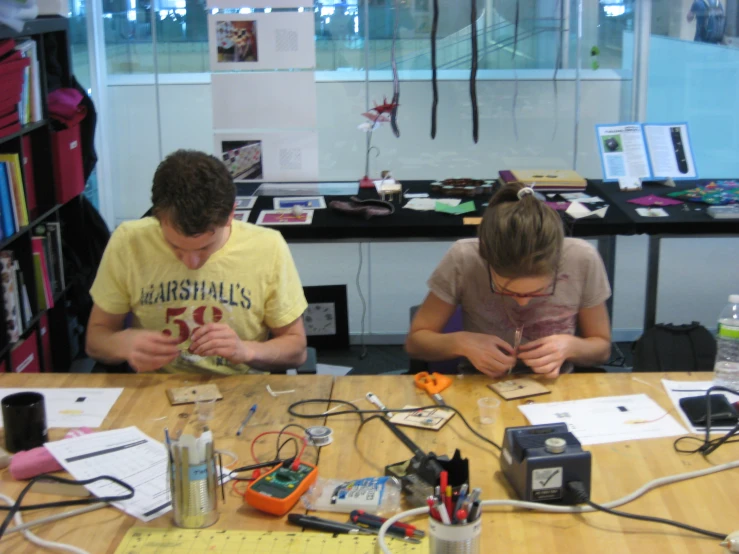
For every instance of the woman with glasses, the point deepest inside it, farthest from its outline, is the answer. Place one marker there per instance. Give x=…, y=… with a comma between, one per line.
x=523, y=288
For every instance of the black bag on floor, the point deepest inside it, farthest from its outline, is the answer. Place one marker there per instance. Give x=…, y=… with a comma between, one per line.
x=668, y=347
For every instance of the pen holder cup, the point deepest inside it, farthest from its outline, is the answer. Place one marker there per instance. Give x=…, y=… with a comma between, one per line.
x=193, y=488
x=455, y=539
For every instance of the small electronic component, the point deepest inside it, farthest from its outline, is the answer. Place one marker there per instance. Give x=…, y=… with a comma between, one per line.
x=279, y=490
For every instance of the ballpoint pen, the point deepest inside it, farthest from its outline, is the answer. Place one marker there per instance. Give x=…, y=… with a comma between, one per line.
x=246, y=419
x=376, y=401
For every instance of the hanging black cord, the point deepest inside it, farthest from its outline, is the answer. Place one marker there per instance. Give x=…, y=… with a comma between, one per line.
x=434, y=83
x=361, y=413
x=16, y=507
x=515, y=30
x=473, y=74
x=396, y=80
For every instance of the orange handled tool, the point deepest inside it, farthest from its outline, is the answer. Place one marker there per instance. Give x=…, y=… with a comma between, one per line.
x=433, y=384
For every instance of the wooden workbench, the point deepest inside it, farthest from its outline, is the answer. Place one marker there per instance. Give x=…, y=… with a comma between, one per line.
x=618, y=468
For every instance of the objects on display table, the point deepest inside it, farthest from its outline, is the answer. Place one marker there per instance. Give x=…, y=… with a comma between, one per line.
x=715, y=193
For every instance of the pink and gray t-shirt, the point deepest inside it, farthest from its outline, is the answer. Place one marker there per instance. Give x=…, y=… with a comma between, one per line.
x=462, y=278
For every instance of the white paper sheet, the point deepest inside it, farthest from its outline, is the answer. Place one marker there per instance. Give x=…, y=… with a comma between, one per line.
x=607, y=419
x=429, y=204
x=670, y=151
x=652, y=212
x=280, y=40
x=335, y=370
x=238, y=4
x=276, y=100
x=623, y=151
x=67, y=408
x=307, y=189
x=576, y=210
x=127, y=454
x=684, y=389
x=278, y=156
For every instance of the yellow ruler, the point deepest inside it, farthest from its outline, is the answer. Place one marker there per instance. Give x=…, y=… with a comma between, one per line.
x=146, y=540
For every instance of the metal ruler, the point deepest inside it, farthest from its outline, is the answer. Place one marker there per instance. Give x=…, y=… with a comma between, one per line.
x=150, y=540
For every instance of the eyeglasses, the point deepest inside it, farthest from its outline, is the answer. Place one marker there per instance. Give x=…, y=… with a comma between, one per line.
x=549, y=291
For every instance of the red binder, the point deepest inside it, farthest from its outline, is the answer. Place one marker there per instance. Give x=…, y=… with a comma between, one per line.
x=47, y=364
x=12, y=70
x=8, y=119
x=27, y=159
x=10, y=129
x=69, y=180
x=6, y=46
x=24, y=357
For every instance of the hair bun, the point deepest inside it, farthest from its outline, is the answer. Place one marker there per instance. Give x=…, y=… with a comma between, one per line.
x=525, y=191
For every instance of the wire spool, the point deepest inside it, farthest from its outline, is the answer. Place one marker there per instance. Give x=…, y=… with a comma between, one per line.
x=319, y=435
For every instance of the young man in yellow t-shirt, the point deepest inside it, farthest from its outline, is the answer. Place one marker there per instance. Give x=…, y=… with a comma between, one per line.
x=207, y=293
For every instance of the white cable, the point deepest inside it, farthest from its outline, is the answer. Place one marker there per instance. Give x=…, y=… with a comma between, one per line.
x=39, y=541
x=56, y=517
x=662, y=481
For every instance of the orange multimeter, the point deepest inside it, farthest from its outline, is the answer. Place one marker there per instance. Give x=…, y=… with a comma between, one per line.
x=279, y=490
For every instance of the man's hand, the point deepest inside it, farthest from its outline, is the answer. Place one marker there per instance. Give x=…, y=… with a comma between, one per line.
x=218, y=339
x=489, y=354
x=149, y=350
x=546, y=355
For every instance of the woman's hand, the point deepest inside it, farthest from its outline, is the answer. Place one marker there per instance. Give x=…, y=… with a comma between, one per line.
x=546, y=355
x=489, y=354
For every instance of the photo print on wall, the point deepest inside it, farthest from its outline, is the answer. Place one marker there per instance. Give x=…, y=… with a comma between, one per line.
x=237, y=41
x=243, y=158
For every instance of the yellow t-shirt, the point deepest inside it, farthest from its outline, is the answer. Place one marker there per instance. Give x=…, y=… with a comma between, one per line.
x=250, y=284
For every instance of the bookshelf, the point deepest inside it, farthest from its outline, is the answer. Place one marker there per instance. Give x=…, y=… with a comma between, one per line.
x=48, y=332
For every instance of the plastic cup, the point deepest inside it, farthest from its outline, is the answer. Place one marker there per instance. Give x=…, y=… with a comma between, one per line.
x=206, y=408
x=488, y=408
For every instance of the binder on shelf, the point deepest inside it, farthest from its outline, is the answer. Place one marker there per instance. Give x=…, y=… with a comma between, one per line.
x=6, y=46
x=27, y=155
x=69, y=177
x=43, y=286
x=30, y=104
x=23, y=301
x=24, y=356
x=50, y=234
x=10, y=177
x=6, y=206
x=47, y=362
x=18, y=190
x=9, y=130
x=10, y=296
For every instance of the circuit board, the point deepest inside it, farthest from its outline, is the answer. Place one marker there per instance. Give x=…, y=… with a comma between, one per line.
x=145, y=540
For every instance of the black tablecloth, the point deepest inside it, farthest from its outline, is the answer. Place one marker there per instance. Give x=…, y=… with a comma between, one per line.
x=693, y=222
x=409, y=224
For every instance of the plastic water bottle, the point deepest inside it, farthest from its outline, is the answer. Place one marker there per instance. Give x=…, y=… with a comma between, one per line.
x=726, y=368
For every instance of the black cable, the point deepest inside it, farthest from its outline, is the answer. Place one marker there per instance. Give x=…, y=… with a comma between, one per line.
x=708, y=445
x=284, y=444
x=285, y=428
x=473, y=74
x=396, y=80
x=581, y=495
x=653, y=519
x=16, y=507
x=363, y=351
x=361, y=413
x=434, y=83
